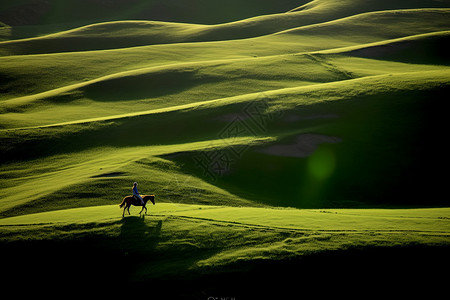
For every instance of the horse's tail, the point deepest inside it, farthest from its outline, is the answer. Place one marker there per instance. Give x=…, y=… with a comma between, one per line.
x=123, y=203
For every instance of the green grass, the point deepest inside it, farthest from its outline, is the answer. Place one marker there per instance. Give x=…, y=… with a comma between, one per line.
x=237, y=234
x=362, y=28
x=274, y=139
x=171, y=126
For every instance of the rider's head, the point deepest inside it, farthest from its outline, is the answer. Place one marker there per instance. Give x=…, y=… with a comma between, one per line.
x=135, y=184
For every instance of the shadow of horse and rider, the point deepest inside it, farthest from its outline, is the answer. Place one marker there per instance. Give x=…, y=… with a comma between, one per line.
x=131, y=200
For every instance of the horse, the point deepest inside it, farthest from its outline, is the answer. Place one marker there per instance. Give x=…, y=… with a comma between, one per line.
x=130, y=200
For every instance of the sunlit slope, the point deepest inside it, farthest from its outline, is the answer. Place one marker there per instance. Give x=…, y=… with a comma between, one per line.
x=80, y=179
x=26, y=75
x=334, y=120
x=362, y=28
x=237, y=235
x=176, y=84
x=349, y=6
x=169, y=86
x=373, y=81
x=30, y=17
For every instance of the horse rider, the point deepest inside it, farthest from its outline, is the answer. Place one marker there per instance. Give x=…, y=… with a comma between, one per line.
x=136, y=193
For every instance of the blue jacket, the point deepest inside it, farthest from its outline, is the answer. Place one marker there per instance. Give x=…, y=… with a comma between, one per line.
x=135, y=191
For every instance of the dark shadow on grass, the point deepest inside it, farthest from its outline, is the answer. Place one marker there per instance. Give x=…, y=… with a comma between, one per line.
x=136, y=242
x=133, y=87
x=405, y=271
x=81, y=252
x=136, y=234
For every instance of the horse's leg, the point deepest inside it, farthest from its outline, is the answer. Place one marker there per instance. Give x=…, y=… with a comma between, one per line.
x=125, y=209
x=141, y=209
x=145, y=209
x=128, y=208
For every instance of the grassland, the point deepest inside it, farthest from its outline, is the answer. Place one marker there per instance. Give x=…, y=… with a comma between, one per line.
x=185, y=245
x=310, y=136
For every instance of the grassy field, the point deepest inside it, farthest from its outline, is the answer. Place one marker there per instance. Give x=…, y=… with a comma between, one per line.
x=195, y=241
x=306, y=135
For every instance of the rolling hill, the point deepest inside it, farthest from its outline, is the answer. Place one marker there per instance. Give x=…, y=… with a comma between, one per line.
x=270, y=134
